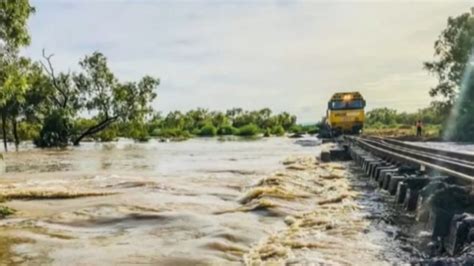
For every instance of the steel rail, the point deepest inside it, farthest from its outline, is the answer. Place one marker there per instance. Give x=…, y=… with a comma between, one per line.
x=413, y=155
x=462, y=166
x=467, y=158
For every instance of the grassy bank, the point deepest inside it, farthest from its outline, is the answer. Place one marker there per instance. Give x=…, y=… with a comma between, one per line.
x=406, y=132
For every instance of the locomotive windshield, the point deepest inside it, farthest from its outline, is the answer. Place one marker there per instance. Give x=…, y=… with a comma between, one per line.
x=344, y=105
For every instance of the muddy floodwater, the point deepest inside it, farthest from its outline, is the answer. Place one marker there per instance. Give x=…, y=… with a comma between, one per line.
x=199, y=202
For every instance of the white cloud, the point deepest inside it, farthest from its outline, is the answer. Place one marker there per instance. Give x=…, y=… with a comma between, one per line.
x=286, y=55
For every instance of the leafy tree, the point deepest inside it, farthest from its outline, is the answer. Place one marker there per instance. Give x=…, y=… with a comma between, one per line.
x=454, y=68
x=14, y=34
x=174, y=120
x=384, y=116
x=12, y=95
x=286, y=120
x=208, y=130
x=63, y=100
x=14, y=16
x=55, y=130
x=226, y=130
x=137, y=131
x=219, y=119
x=248, y=130
x=97, y=91
x=278, y=130
x=452, y=51
x=233, y=113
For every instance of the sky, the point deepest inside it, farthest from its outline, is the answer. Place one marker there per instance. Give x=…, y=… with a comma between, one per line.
x=285, y=55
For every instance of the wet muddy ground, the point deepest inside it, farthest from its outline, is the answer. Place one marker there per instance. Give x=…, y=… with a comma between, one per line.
x=200, y=202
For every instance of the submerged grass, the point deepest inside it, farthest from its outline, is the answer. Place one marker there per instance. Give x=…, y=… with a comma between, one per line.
x=36, y=194
x=5, y=211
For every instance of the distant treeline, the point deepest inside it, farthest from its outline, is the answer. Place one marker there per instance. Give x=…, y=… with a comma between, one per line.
x=178, y=126
x=55, y=108
x=436, y=114
x=201, y=122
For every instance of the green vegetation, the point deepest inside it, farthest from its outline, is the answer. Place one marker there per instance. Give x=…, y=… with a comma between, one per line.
x=450, y=116
x=37, y=102
x=5, y=211
x=205, y=123
x=15, y=72
x=248, y=130
x=454, y=68
x=208, y=130
x=385, y=121
x=385, y=117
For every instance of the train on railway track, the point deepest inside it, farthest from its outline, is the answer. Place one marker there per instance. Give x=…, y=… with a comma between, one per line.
x=344, y=115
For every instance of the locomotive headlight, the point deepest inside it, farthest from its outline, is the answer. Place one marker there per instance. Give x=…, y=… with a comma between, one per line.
x=347, y=97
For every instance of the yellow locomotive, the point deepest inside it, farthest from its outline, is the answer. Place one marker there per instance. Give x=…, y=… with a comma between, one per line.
x=345, y=114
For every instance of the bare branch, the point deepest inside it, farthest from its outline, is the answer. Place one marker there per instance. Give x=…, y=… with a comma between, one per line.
x=50, y=70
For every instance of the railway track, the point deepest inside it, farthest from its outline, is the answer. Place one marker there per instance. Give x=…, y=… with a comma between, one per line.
x=435, y=185
x=455, y=164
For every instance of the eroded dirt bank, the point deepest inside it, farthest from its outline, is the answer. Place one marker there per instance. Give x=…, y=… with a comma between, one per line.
x=287, y=208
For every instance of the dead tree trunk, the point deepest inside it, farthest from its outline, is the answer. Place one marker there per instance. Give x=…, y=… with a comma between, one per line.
x=95, y=129
x=15, y=133
x=4, y=130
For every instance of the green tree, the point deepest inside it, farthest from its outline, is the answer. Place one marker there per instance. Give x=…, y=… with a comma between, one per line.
x=14, y=34
x=63, y=101
x=174, y=119
x=14, y=16
x=286, y=120
x=12, y=95
x=454, y=68
x=208, y=130
x=108, y=98
x=452, y=51
x=383, y=116
x=248, y=130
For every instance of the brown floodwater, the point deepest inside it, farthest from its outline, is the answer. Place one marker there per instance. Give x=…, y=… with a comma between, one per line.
x=198, y=202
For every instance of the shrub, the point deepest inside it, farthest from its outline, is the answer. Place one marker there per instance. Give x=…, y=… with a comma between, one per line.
x=278, y=130
x=140, y=135
x=267, y=133
x=208, y=131
x=226, y=130
x=313, y=130
x=296, y=129
x=5, y=211
x=55, y=132
x=248, y=130
x=108, y=134
x=28, y=131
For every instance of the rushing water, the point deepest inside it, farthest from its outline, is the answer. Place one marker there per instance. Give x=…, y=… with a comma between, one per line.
x=202, y=201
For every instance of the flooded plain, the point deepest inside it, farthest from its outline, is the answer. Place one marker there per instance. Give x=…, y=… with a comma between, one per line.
x=199, y=202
